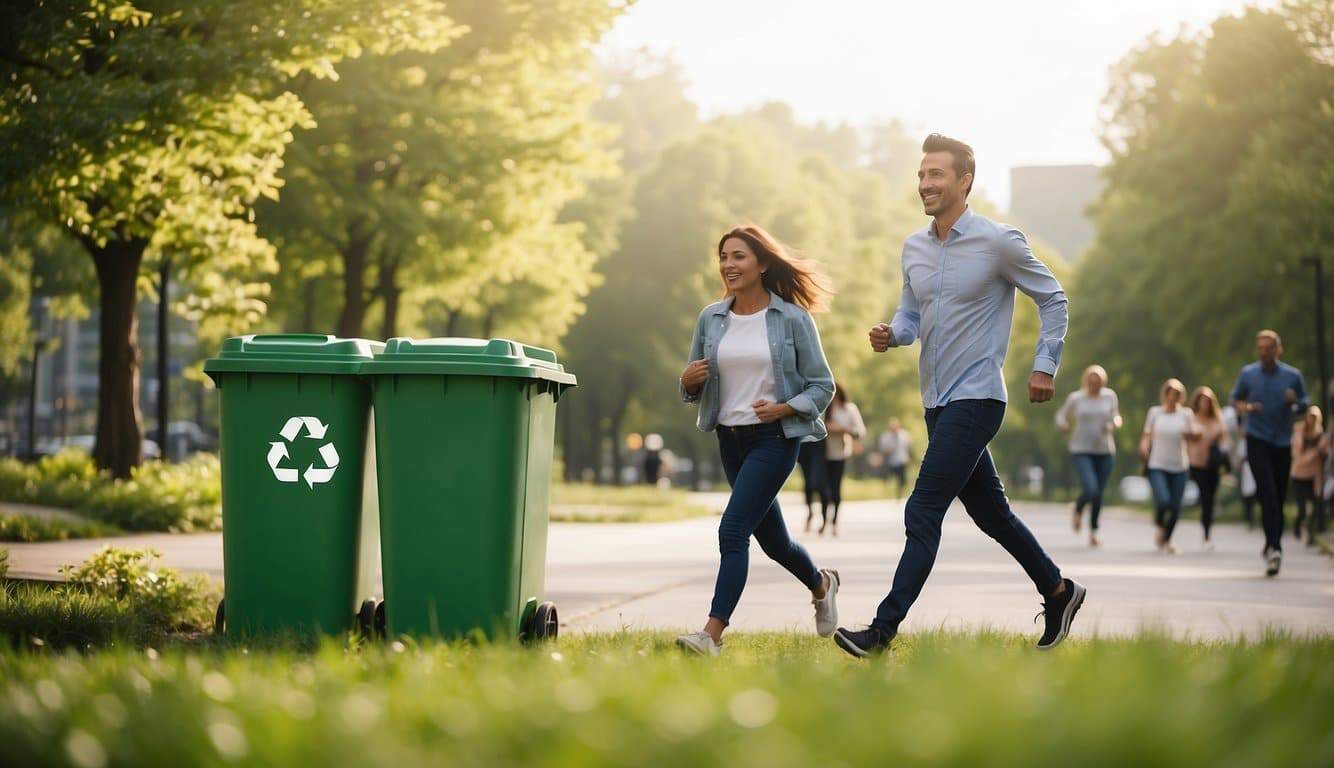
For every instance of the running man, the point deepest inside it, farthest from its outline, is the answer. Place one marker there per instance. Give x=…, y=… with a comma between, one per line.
x=959, y=276
x=1270, y=394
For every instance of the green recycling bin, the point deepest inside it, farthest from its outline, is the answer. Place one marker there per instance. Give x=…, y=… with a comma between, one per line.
x=464, y=432
x=298, y=553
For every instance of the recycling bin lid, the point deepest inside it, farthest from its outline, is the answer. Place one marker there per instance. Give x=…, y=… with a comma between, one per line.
x=467, y=357
x=292, y=353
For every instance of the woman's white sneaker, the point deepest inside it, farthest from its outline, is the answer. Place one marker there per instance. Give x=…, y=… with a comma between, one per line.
x=826, y=608
x=700, y=643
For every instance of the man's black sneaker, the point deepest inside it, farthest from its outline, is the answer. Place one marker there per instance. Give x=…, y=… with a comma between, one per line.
x=1059, y=612
x=862, y=643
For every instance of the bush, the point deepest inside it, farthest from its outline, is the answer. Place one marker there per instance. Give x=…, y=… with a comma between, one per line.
x=157, y=497
x=116, y=596
x=29, y=529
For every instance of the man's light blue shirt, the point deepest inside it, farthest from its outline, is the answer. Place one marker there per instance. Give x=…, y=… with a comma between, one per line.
x=958, y=297
x=1273, y=423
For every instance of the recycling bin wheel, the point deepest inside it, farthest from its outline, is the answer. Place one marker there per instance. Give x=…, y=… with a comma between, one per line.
x=379, y=620
x=366, y=619
x=220, y=618
x=546, y=623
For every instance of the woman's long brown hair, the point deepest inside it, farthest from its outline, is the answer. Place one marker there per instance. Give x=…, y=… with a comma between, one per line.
x=793, y=277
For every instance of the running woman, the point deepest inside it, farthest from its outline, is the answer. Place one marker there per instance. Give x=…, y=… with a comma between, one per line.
x=1208, y=454
x=1310, y=448
x=846, y=428
x=1168, y=427
x=759, y=376
x=1091, y=416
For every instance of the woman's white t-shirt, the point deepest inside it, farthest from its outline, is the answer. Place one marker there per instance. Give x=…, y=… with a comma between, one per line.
x=745, y=367
x=849, y=419
x=1167, y=451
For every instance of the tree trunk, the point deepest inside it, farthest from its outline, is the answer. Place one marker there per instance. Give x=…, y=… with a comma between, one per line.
x=353, y=315
x=163, y=357
x=119, y=445
x=452, y=324
x=391, y=293
x=311, y=289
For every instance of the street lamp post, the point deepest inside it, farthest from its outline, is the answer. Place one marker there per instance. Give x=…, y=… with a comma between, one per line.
x=38, y=344
x=1323, y=400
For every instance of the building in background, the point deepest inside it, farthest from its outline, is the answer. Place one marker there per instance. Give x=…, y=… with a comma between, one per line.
x=1052, y=202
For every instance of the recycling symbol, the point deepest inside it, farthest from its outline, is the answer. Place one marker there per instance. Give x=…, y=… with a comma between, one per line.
x=314, y=431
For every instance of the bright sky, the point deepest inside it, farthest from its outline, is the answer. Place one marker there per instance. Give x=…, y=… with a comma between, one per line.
x=1021, y=81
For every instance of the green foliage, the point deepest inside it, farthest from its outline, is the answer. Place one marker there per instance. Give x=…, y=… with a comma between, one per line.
x=159, y=595
x=586, y=503
x=1221, y=182
x=29, y=529
x=941, y=699
x=428, y=195
x=805, y=184
x=157, y=497
x=148, y=130
x=117, y=596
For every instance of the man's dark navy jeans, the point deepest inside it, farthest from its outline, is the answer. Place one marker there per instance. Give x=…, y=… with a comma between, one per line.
x=958, y=465
x=757, y=460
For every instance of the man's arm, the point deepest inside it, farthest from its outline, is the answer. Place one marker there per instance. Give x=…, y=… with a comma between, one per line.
x=907, y=320
x=1036, y=281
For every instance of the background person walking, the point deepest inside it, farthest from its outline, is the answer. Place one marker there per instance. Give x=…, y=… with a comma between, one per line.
x=1310, y=449
x=1091, y=415
x=846, y=429
x=896, y=447
x=1167, y=429
x=1208, y=454
x=759, y=376
x=812, y=458
x=1269, y=393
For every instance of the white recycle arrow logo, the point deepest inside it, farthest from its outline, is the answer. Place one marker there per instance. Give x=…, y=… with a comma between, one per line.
x=315, y=430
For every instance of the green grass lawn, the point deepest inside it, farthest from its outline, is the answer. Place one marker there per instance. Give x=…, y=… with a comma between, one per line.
x=586, y=503
x=945, y=699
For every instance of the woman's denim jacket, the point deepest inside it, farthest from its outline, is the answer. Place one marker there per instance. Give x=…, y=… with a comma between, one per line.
x=801, y=373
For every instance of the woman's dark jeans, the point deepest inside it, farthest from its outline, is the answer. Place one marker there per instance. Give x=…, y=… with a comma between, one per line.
x=958, y=465
x=1168, y=488
x=757, y=460
x=1094, y=469
x=1206, y=478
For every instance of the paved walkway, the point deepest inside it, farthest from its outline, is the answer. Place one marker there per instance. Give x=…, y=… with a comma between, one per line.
x=646, y=575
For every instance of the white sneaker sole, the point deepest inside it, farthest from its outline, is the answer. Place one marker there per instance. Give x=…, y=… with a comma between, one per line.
x=1067, y=616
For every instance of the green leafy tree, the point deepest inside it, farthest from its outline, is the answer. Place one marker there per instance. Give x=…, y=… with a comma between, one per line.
x=430, y=192
x=150, y=129
x=1221, y=183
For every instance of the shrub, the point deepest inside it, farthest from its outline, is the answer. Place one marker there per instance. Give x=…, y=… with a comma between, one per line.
x=116, y=596
x=28, y=529
x=157, y=497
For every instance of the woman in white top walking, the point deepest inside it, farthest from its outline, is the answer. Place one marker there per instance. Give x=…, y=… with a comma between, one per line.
x=759, y=375
x=846, y=428
x=1090, y=416
x=1167, y=429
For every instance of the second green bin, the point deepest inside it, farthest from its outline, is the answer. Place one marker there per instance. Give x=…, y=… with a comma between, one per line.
x=465, y=432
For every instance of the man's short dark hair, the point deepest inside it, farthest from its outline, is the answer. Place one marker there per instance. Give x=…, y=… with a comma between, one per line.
x=964, y=162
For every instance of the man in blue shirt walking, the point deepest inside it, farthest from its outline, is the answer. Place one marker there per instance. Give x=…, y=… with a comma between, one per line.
x=959, y=278
x=1270, y=394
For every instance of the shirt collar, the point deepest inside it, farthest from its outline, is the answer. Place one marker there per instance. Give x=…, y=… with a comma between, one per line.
x=775, y=303
x=960, y=226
